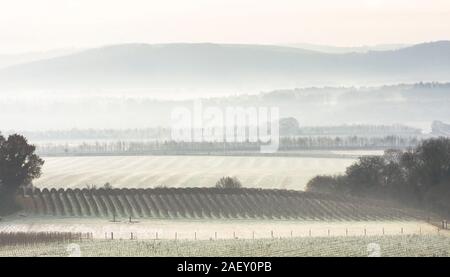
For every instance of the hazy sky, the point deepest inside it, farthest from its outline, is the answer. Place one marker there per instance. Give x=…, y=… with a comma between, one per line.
x=29, y=25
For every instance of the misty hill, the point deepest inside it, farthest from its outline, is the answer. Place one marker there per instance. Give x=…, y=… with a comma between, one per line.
x=415, y=105
x=227, y=66
x=7, y=60
x=350, y=49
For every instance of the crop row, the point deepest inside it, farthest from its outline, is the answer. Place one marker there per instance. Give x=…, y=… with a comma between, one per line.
x=206, y=203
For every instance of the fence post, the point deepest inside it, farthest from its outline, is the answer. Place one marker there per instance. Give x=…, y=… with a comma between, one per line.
x=291, y=233
x=195, y=235
x=328, y=232
x=271, y=233
x=365, y=231
x=401, y=231
x=253, y=234
x=112, y=235
x=156, y=235
x=176, y=235
x=383, y=231
x=215, y=235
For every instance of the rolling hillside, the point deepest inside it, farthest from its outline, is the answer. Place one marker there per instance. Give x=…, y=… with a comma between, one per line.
x=227, y=66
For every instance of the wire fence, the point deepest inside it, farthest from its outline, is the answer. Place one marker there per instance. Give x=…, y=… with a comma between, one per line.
x=252, y=235
x=29, y=238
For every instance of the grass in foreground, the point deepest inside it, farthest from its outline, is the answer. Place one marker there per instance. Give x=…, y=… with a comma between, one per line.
x=415, y=245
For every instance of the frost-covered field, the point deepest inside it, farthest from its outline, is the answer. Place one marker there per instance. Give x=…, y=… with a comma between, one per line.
x=397, y=246
x=185, y=171
x=212, y=229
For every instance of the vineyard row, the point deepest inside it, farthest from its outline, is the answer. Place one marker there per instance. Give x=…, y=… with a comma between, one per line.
x=197, y=203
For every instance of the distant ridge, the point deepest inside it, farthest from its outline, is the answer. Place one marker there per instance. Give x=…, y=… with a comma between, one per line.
x=347, y=49
x=227, y=65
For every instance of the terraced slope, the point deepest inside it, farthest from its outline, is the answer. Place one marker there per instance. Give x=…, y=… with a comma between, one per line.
x=208, y=203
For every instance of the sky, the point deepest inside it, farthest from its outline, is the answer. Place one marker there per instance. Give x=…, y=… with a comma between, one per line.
x=30, y=25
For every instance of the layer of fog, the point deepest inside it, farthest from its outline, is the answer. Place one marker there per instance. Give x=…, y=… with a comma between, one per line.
x=413, y=105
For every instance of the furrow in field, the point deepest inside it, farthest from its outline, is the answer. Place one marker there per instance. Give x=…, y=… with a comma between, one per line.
x=49, y=205
x=92, y=205
x=59, y=208
x=101, y=206
x=74, y=202
x=198, y=171
x=153, y=209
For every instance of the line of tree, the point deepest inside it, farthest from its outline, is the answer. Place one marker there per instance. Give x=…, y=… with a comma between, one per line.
x=286, y=144
x=418, y=176
x=288, y=127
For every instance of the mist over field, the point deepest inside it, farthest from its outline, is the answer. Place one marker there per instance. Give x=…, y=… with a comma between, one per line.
x=224, y=128
x=416, y=105
x=138, y=85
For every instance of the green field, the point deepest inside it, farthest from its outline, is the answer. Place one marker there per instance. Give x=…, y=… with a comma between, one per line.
x=411, y=245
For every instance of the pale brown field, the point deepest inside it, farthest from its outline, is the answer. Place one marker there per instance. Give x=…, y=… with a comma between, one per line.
x=185, y=171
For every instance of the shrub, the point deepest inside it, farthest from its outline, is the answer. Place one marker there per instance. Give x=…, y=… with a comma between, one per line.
x=228, y=183
x=323, y=184
x=107, y=186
